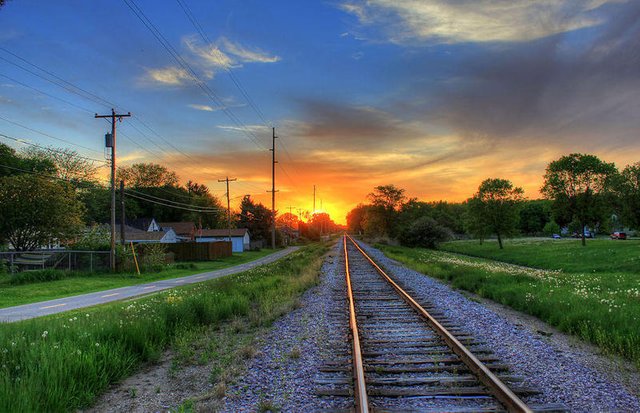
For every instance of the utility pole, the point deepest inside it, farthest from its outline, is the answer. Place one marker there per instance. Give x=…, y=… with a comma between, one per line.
x=228, y=203
x=273, y=189
x=122, y=216
x=290, y=216
x=314, y=200
x=111, y=143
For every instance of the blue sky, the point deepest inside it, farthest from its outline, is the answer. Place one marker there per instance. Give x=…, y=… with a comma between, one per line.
x=432, y=96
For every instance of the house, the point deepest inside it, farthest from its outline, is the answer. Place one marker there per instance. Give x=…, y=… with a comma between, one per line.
x=138, y=236
x=185, y=231
x=240, y=238
x=144, y=224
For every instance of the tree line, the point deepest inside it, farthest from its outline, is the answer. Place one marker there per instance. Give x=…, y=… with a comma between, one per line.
x=49, y=194
x=579, y=190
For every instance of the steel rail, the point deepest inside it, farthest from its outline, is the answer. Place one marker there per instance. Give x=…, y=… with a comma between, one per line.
x=361, y=398
x=500, y=390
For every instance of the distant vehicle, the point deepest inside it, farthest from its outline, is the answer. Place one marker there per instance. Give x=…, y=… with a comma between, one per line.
x=587, y=234
x=556, y=236
x=619, y=235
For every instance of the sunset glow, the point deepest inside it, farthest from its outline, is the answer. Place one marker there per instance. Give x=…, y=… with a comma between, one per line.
x=360, y=93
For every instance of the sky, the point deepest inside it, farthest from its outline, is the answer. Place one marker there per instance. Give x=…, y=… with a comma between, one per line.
x=432, y=96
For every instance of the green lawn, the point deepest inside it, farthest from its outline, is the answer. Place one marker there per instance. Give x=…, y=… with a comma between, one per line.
x=64, y=362
x=11, y=295
x=600, y=255
x=591, y=292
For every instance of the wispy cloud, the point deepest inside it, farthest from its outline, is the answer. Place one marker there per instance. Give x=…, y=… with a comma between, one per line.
x=250, y=128
x=207, y=59
x=474, y=20
x=210, y=54
x=205, y=108
x=172, y=76
x=247, y=55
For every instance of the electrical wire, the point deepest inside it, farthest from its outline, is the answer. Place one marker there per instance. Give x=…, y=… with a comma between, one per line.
x=170, y=201
x=137, y=11
x=47, y=135
x=175, y=206
x=48, y=149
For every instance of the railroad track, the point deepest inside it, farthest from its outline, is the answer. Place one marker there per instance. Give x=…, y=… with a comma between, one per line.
x=406, y=356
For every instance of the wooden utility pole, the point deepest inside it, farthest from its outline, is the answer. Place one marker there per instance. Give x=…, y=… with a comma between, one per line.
x=273, y=190
x=228, y=204
x=111, y=143
x=122, y=213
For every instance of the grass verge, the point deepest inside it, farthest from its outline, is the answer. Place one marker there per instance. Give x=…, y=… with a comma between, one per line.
x=63, y=362
x=603, y=308
x=83, y=283
x=568, y=255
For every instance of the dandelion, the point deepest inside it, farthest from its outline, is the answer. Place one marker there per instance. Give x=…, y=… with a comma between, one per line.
x=45, y=333
x=97, y=344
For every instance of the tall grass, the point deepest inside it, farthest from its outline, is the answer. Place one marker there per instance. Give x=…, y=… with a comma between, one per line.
x=63, y=362
x=601, y=308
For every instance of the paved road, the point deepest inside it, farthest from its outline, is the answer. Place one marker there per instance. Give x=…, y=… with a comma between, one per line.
x=23, y=312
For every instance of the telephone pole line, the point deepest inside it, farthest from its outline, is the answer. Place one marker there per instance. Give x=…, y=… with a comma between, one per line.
x=228, y=204
x=111, y=143
x=273, y=189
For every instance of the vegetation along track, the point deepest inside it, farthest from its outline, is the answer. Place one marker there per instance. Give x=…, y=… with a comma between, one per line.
x=405, y=355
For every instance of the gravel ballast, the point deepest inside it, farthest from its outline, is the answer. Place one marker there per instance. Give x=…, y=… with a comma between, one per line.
x=283, y=374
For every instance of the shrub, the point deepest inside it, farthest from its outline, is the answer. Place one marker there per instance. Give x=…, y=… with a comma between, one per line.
x=34, y=276
x=96, y=238
x=152, y=257
x=551, y=228
x=425, y=232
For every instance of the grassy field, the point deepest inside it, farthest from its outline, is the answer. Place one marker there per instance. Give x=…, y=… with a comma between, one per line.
x=568, y=255
x=62, y=362
x=590, y=292
x=11, y=295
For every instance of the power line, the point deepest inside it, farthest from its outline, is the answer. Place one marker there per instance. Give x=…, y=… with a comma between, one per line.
x=174, y=206
x=48, y=149
x=47, y=135
x=187, y=11
x=59, y=81
x=77, y=182
x=190, y=71
x=170, y=201
x=83, y=93
x=46, y=94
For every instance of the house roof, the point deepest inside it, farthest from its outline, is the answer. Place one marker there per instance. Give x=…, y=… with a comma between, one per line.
x=236, y=232
x=181, y=228
x=137, y=235
x=141, y=223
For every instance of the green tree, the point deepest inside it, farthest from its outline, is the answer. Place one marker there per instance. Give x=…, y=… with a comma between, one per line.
x=425, y=232
x=495, y=207
x=147, y=175
x=256, y=218
x=36, y=211
x=69, y=165
x=386, y=200
x=11, y=163
x=629, y=190
x=578, y=185
x=355, y=219
x=534, y=215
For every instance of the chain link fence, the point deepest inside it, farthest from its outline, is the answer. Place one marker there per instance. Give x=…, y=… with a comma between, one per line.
x=17, y=261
